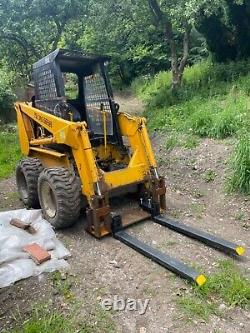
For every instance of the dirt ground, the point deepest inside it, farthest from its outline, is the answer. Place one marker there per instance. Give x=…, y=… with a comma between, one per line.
x=101, y=269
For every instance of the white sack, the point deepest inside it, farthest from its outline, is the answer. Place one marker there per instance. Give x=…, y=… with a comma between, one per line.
x=15, y=264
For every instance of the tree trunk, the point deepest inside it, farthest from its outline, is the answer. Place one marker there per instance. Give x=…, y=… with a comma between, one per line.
x=178, y=70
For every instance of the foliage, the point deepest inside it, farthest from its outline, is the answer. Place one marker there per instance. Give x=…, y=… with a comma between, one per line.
x=62, y=284
x=195, y=306
x=7, y=97
x=176, y=139
x=213, y=101
x=32, y=28
x=226, y=29
x=9, y=150
x=125, y=30
x=240, y=166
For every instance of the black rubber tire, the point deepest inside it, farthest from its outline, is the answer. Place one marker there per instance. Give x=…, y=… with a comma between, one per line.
x=59, y=192
x=27, y=173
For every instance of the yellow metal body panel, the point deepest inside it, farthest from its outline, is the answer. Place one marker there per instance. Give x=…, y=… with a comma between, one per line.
x=50, y=158
x=75, y=135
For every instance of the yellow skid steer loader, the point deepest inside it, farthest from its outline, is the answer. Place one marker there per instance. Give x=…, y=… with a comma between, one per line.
x=81, y=152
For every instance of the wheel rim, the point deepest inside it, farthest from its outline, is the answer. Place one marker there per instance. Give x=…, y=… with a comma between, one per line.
x=48, y=199
x=22, y=185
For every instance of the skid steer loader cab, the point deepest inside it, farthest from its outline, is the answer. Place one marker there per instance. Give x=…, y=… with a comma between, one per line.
x=74, y=86
x=80, y=152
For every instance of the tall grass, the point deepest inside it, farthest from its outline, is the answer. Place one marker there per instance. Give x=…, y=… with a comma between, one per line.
x=9, y=150
x=240, y=165
x=204, y=79
x=214, y=102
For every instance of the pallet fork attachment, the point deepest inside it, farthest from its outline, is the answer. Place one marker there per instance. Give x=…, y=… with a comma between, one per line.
x=155, y=255
x=204, y=237
x=167, y=261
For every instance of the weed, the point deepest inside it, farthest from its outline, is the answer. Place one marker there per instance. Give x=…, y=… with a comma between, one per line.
x=99, y=322
x=209, y=176
x=212, y=102
x=240, y=216
x=176, y=139
x=200, y=122
x=62, y=284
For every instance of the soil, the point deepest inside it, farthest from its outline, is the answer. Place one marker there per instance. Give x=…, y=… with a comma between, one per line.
x=102, y=269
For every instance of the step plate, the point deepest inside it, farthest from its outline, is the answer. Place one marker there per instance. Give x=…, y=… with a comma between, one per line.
x=133, y=215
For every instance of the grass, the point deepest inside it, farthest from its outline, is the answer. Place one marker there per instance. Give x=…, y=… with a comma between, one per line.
x=176, y=139
x=42, y=320
x=213, y=102
x=9, y=151
x=46, y=320
x=227, y=286
x=196, y=307
x=239, y=179
x=230, y=285
x=204, y=80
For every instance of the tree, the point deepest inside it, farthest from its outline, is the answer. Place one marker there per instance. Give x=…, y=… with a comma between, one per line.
x=227, y=29
x=167, y=21
x=29, y=29
x=123, y=29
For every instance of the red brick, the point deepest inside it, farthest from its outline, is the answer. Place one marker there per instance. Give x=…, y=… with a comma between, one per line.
x=37, y=253
x=20, y=224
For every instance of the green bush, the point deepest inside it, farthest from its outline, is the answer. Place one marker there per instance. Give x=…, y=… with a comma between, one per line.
x=240, y=165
